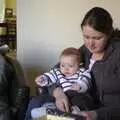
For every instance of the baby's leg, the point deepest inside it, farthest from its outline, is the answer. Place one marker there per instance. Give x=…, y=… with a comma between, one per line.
x=47, y=108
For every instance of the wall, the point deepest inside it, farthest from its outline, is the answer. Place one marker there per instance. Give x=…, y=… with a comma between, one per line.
x=45, y=27
x=2, y=8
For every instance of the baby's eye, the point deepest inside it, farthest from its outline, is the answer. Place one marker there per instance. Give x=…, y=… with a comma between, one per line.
x=62, y=65
x=71, y=66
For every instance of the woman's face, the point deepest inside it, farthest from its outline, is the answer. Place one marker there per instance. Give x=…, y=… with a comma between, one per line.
x=94, y=40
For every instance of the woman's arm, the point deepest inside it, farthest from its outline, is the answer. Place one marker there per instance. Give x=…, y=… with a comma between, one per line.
x=61, y=99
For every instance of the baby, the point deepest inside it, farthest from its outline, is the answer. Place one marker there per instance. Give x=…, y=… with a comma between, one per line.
x=70, y=76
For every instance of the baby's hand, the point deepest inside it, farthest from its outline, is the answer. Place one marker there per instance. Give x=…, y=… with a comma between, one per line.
x=41, y=80
x=75, y=87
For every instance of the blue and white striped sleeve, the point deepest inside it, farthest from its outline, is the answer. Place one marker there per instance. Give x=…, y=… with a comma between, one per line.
x=51, y=76
x=84, y=80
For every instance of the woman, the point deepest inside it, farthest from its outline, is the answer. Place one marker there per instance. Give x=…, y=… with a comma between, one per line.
x=100, y=53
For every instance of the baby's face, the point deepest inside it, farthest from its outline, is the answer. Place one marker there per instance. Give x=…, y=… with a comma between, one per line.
x=68, y=65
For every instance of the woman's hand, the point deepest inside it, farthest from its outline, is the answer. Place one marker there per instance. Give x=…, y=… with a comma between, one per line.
x=89, y=115
x=62, y=102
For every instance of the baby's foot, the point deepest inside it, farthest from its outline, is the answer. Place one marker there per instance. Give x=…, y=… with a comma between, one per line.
x=38, y=112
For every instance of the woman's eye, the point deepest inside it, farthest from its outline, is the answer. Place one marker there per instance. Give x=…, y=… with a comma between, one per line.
x=86, y=37
x=93, y=38
x=96, y=38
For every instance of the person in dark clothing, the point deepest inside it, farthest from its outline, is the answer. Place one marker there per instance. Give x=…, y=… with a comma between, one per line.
x=14, y=93
x=100, y=53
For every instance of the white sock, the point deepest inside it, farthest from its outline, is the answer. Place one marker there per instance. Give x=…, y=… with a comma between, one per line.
x=38, y=112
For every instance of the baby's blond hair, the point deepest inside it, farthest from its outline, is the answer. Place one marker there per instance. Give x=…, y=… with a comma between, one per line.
x=71, y=51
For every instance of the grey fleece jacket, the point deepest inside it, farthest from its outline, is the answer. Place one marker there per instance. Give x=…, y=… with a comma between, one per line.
x=106, y=76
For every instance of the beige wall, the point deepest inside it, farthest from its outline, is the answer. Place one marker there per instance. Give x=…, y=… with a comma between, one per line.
x=45, y=27
x=2, y=10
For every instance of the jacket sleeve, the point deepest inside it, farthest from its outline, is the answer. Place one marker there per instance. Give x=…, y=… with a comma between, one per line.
x=19, y=92
x=4, y=104
x=111, y=110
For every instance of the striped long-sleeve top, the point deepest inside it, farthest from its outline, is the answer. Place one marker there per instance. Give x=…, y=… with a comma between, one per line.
x=81, y=77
